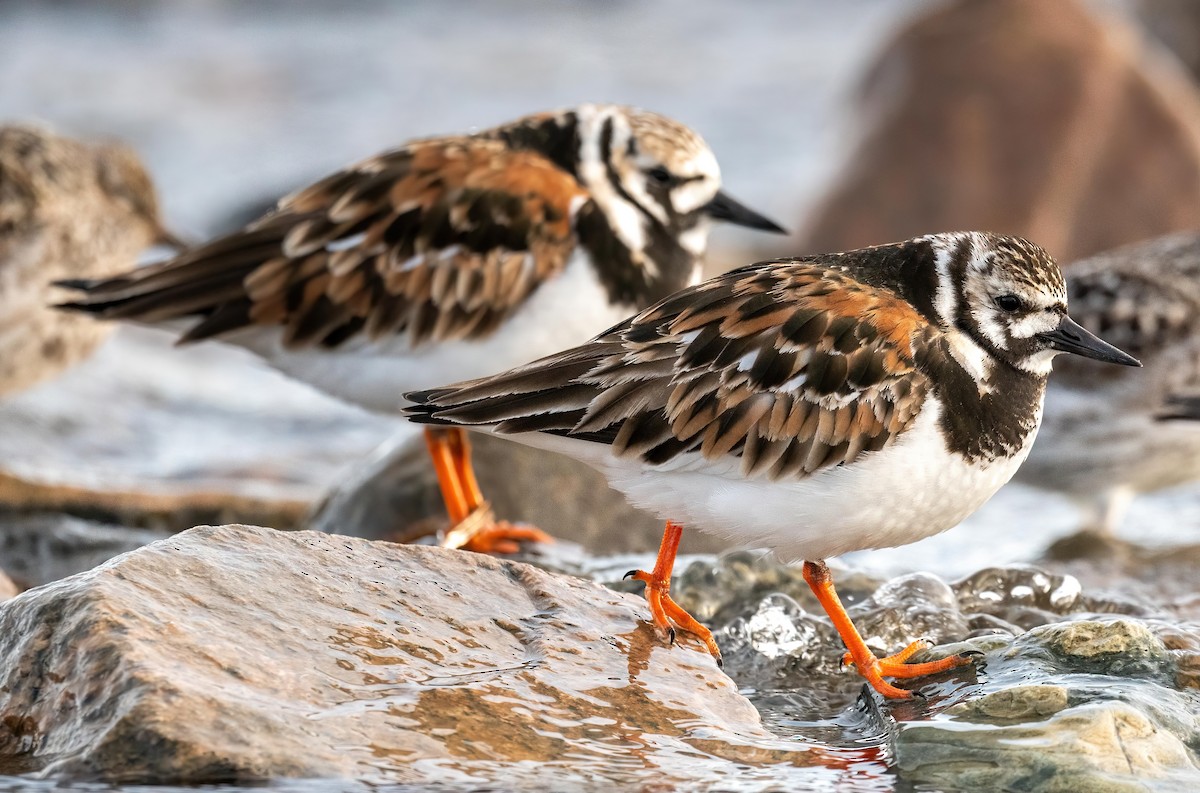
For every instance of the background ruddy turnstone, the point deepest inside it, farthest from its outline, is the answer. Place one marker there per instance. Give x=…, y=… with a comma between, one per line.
x=814, y=405
x=1106, y=435
x=451, y=258
x=67, y=209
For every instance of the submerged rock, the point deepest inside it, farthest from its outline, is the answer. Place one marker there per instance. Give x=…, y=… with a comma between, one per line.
x=1074, y=692
x=238, y=654
x=1088, y=705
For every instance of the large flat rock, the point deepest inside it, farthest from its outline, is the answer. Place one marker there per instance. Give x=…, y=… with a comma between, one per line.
x=239, y=654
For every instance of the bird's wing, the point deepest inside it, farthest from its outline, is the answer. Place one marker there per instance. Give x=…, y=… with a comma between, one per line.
x=790, y=366
x=441, y=239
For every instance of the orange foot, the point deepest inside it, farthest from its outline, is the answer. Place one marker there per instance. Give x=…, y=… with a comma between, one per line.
x=875, y=669
x=663, y=610
x=473, y=525
x=482, y=533
x=871, y=668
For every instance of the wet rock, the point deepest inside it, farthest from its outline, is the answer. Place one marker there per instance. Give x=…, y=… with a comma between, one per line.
x=1023, y=117
x=1098, y=748
x=1111, y=647
x=781, y=644
x=238, y=654
x=1063, y=699
x=722, y=590
x=393, y=495
x=1092, y=704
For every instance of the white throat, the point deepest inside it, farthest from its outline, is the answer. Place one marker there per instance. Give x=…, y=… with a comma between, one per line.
x=626, y=220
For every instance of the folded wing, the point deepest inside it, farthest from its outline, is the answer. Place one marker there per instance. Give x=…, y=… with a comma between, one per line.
x=442, y=239
x=789, y=366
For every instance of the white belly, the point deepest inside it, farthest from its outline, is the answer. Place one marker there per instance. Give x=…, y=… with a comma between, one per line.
x=563, y=312
x=910, y=490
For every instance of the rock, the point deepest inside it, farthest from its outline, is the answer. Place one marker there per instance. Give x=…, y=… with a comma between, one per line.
x=8, y=589
x=1063, y=699
x=393, y=495
x=1175, y=23
x=1108, y=646
x=152, y=435
x=41, y=548
x=1106, y=747
x=238, y=654
x=1023, y=117
x=723, y=590
x=1087, y=705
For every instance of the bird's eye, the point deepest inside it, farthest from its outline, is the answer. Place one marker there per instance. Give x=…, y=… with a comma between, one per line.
x=660, y=175
x=1009, y=303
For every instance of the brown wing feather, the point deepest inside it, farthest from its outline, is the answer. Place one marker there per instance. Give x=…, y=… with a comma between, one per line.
x=441, y=239
x=790, y=366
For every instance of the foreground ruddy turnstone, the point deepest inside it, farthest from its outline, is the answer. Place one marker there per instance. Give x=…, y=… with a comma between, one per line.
x=1106, y=435
x=451, y=258
x=815, y=405
x=67, y=209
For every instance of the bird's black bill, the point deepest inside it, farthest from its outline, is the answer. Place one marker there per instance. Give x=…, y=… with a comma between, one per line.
x=722, y=207
x=1071, y=337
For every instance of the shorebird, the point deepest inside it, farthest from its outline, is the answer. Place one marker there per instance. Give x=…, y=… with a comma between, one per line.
x=451, y=258
x=815, y=405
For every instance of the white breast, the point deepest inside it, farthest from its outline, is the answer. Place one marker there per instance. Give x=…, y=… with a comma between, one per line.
x=910, y=490
x=564, y=311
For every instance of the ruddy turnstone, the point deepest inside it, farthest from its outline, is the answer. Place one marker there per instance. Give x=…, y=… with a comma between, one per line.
x=67, y=209
x=1107, y=436
x=815, y=405
x=451, y=258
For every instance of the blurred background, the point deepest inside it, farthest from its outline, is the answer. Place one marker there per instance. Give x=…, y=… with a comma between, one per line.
x=858, y=122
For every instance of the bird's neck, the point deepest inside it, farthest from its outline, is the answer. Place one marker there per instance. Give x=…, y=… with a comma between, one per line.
x=984, y=419
x=638, y=259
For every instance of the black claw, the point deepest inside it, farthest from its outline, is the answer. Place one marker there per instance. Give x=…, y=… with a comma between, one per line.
x=970, y=654
x=720, y=663
x=630, y=574
x=671, y=636
x=920, y=696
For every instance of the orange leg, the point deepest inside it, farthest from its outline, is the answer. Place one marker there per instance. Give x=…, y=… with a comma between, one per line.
x=663, y=609
x=872, y=668
x=473, y=527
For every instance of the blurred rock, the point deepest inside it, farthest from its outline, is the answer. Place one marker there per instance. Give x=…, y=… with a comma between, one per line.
x=394, y=495
x=1129, y=571
x=1175, y=23
x=8, y=589
x=152, y=435
x=40, y=548
x=1017, y=116
x=238, y=654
